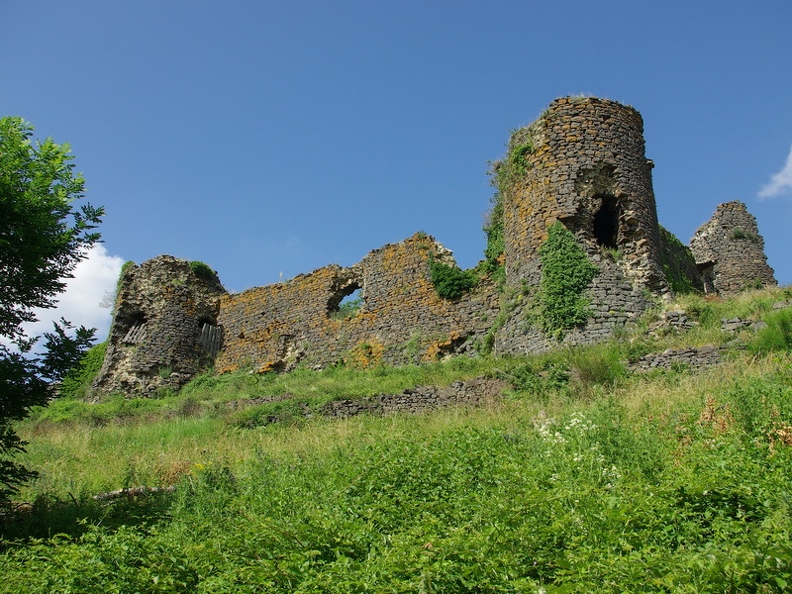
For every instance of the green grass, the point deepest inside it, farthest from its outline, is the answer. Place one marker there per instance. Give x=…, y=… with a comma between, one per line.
x=585, y=478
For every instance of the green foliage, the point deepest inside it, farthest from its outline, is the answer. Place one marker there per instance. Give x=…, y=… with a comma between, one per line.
x=493, y=252
x=504, y=174
x=566, y=272
x=42, y=235
x=695, y=499
x=124, y=268
x=202, y=270
x=78, y=380
x=777, y=335
x=587, y=479
x=451, y=282
x=64, y=352
x=513, y=166
x=42, y=238
x=678, y=263
x=349, y=306
x=600, y=365
x=737, y=234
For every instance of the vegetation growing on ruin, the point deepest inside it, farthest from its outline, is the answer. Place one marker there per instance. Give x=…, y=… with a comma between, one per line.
x=493, y=252
x=566, y=272
x=202, y=270
x=504, y=174
x=678, y=263
x=451, y=282
x=124, y=269
x=738, y=233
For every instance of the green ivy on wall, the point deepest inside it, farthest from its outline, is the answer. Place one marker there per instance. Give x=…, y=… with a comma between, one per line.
x=678, y=262
x=566, y=272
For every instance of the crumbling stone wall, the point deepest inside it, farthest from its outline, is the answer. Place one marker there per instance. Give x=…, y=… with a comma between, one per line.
x=581, y=163
x=164, y=328
x=615, y=301
x=729, y=251
x=401, y=319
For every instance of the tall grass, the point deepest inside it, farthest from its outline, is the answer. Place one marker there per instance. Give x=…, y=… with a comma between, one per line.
x=585, y=478
x=655, y=486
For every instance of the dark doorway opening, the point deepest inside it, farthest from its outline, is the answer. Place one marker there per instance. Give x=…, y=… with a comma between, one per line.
x=606, y=221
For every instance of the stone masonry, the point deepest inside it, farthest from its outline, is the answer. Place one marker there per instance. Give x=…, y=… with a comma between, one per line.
x=729, y=251
x=164, y=328
x=584, y=166
x=582, y=163
x=401, y=318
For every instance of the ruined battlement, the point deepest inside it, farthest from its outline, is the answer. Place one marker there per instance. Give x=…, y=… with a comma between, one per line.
x=729, y=251
x=581, y=164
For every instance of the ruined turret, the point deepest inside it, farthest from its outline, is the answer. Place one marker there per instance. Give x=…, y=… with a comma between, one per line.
x=582, y=164
x=164, y=327
x=729, y=251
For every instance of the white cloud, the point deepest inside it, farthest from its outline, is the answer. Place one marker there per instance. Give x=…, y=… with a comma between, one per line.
x=94, y=276
x=780, y=183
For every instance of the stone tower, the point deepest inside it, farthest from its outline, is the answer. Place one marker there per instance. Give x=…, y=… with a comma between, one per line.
x=582, y=163
x=729, y=251
x=164, y=327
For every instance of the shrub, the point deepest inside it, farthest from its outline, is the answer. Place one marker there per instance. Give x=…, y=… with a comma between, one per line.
x=566, y=272
x=79, y=379
x=777, y=335
x=601, y=365
x=450, y=282
x=202, y=270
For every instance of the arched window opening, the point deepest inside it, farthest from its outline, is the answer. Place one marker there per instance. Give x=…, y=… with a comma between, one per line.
x=346, y=303
x=606, y=222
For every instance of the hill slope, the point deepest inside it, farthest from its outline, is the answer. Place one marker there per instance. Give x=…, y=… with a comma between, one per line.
x=583, y=477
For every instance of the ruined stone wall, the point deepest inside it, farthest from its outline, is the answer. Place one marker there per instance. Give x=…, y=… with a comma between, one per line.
x=615, y=300
x=401, y=319
x=729, y=251
x=163, y=330
x=581, y=163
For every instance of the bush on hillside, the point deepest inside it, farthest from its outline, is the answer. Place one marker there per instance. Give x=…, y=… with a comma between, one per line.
x=79, y=379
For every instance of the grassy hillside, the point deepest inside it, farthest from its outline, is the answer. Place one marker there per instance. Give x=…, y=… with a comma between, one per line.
x=585, y=477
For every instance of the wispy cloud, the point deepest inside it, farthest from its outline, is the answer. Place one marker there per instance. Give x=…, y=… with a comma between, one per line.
x=780, y=183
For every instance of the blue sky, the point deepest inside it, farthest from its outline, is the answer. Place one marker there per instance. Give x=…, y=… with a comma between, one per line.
x=269, y=139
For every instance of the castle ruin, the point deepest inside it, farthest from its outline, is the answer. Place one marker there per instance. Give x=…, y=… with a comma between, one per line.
x=729, y=251
x=582, y=164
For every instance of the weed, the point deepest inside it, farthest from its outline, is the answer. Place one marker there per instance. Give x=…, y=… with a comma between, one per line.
x=776, y=335
x=203, y=270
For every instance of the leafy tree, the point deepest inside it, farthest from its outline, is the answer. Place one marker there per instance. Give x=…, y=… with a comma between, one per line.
x=62, y=352
x=42, y=238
